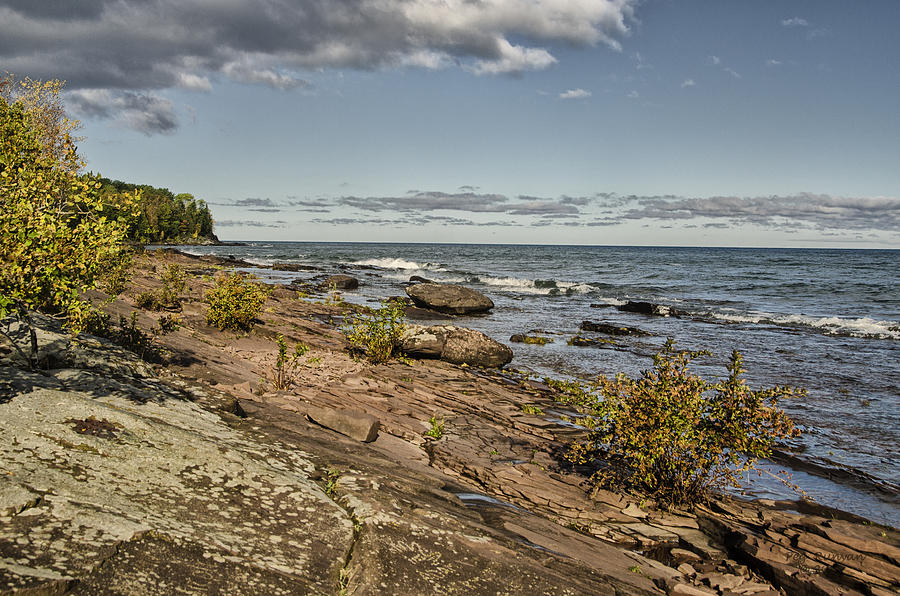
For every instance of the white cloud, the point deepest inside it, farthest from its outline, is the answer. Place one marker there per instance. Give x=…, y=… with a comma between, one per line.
x=193, y=82
x=514, y=60
x=795, y=22
x=633, y=94
x=715, y=60
x=688, y=83
x=247, y=73
x=773, y=62
x=732, y=72
x=575, y=94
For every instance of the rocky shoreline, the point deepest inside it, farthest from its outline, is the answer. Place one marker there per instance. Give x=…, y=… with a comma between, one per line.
x=118, y=476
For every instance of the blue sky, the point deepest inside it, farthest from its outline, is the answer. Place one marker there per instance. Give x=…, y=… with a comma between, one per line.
x=541, y=121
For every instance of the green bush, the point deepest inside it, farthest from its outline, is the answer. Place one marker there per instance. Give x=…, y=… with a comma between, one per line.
x=234, y=302
x=167, y=297
x=672, y=436
x=377, y=333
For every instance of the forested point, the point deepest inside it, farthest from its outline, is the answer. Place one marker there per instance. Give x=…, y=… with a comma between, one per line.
x=162, y=217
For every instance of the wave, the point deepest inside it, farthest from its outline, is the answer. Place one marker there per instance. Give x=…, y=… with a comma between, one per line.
x=861, y=327
x=390, y=263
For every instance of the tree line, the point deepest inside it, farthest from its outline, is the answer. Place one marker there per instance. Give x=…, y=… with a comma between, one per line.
x=160, y=215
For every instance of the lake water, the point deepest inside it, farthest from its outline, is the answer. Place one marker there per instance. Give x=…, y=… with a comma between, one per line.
x=826, y=320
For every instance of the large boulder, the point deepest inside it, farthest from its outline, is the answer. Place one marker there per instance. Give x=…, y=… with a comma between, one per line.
x=454, y=344
x=339, y=282
x=449, y=298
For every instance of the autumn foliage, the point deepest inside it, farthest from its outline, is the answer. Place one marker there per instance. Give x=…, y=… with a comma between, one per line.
x=675, y=437
x=58, y=237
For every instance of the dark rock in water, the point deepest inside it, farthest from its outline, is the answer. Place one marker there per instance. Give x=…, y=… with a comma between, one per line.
x=610, y=329
x=647, y=308
x=449, y=298
x=419, y=280
x=339, y=282
x=356, y=425
x=587, y=341
x=294, y=267
x=457, y=345
x=530, y=339
x=601, y=305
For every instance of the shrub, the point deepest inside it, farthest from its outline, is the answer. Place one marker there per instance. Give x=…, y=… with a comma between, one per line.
x=167, y=297
x=167, y=324
x=675, y=437
x=234, y=302
x=284, y=370
x=377, y=333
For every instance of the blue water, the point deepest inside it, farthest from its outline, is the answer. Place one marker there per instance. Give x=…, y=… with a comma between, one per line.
x=826, y=320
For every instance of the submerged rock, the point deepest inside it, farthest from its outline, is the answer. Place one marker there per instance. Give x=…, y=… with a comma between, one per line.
x=294, y=267
x=610, y=329
x=530, y=339
x=449, y=298
x=457, y=345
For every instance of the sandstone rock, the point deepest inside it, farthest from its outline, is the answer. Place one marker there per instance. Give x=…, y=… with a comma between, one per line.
x=454, y=344
x=689, y=590
x=449, y=298
x=721, y=581
x=356, y=425
x=339, y=282
x=610, y=329
x=684, y=556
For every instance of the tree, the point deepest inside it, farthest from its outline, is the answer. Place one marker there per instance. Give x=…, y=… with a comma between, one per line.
x=58, y=236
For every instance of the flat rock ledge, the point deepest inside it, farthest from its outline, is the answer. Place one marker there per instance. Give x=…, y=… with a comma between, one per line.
x=195, y=477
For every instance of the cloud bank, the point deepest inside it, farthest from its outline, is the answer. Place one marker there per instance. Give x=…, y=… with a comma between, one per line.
x=144, y=46
x=804, y=211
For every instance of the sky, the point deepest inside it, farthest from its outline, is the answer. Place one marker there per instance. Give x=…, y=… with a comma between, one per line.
x=609, y=122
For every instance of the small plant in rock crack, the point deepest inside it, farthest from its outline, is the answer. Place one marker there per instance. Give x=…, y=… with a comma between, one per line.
x=284, y=370
x=532, y=409
x=437, y=428
x=331, y=480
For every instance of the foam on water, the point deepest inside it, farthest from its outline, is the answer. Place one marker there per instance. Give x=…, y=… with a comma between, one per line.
x=392, y=263
x=861, y=327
